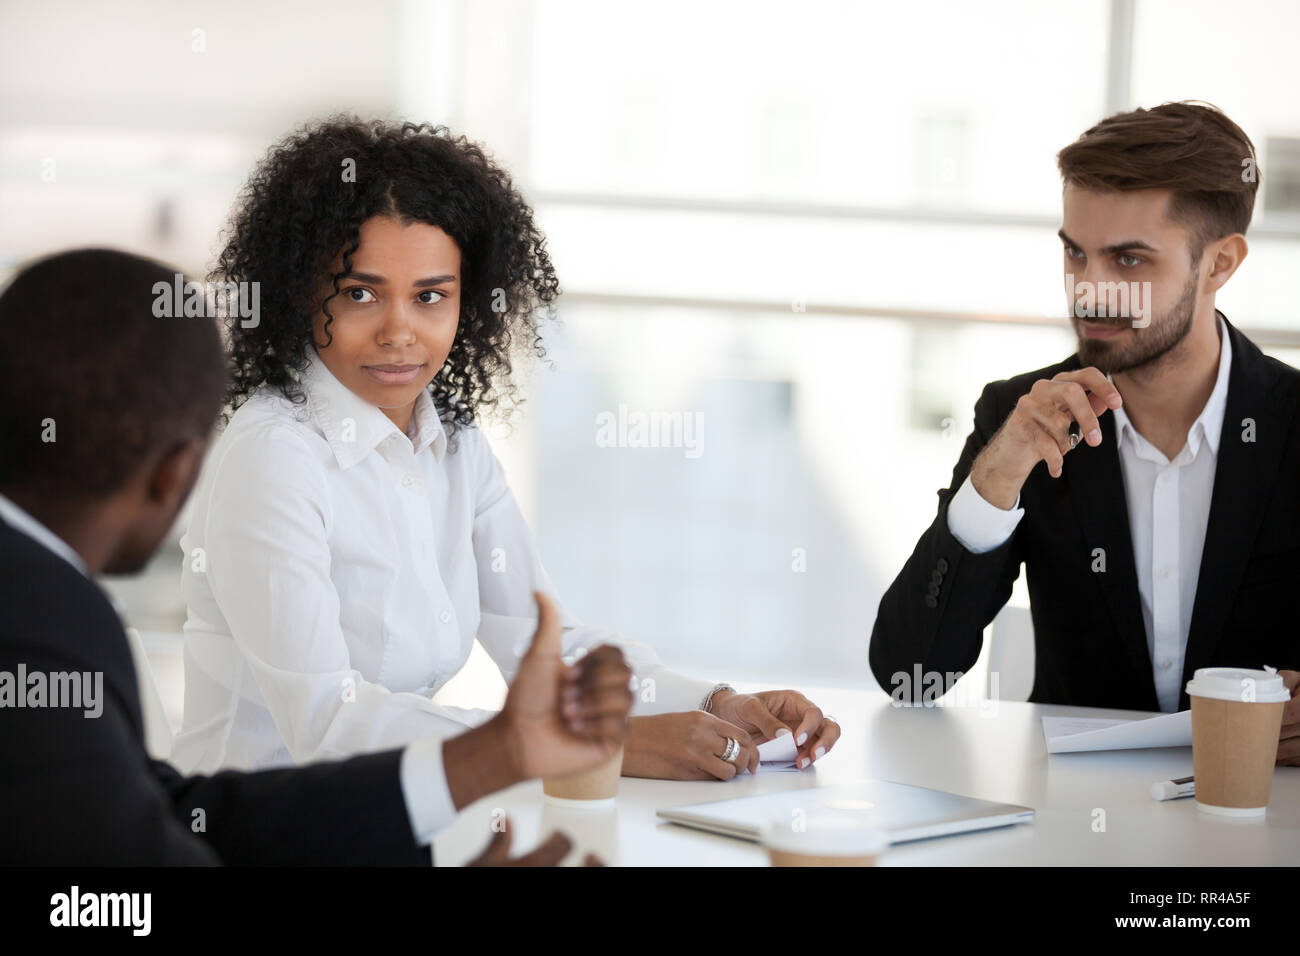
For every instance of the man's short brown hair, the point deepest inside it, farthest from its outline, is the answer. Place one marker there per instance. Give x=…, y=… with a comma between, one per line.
x=1190, y=148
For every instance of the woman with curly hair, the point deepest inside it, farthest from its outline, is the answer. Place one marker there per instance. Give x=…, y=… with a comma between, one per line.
x=353, y=532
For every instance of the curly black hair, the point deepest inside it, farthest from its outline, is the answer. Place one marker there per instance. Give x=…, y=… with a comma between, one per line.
x=300, y=209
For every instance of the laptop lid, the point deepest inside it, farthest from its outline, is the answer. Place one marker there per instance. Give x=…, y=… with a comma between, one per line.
x=903, y=811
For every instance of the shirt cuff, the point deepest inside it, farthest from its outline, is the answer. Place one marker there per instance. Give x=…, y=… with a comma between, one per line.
x=979, y=526
x=424, y=787
x=673, y=692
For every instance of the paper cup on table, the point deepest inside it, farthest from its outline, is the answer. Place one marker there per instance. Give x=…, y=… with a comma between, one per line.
x=594, y=833
x=825, y=839
x=1236, y=719
x=591, y=789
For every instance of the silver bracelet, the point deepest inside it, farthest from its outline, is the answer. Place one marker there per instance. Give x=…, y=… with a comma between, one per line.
x=708, y=700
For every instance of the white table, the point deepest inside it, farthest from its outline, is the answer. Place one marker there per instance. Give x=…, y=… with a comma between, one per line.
x=995, y=752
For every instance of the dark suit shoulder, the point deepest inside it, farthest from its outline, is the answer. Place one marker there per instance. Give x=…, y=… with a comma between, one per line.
x=1261, y=386
x=1280, y=375
x=51, y=610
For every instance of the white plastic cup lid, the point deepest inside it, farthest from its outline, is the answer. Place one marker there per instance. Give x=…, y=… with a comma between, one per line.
x=825, y=835
x=1238, y=683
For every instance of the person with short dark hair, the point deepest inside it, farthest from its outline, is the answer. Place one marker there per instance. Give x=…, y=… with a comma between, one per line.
x=1147, y=483
x=106, y=404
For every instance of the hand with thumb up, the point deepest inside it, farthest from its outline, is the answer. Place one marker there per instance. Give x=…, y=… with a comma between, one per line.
x=560, y=718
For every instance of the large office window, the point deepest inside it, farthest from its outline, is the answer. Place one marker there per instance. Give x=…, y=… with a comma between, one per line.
x=821, y=234
x=809, y=233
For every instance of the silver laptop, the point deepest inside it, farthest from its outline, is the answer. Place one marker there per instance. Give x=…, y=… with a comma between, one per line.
x=904, y=812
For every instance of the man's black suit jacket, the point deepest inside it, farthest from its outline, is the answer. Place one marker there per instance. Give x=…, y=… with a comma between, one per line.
x=78, y=790
x=1090, y=639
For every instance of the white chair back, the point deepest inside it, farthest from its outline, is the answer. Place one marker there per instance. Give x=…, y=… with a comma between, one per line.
x=1011, y=655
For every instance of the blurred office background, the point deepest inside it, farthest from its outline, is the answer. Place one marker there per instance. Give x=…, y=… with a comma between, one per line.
x=815, y=232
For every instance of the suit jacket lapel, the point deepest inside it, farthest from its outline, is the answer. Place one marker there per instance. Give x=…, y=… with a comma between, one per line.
x=1245, y=473
x=1096, y=487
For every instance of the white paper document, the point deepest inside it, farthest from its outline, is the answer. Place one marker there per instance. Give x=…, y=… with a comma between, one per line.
x=777, y=754
x=1075, y=734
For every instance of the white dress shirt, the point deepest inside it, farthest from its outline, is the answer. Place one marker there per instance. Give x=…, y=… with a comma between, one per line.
x=336, y=573
x=1168, y=511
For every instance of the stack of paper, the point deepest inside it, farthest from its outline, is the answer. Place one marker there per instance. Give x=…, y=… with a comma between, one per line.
x=1074, y=734
x=777, y=753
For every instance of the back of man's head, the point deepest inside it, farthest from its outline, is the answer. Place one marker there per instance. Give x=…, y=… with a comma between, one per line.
x=93, y=384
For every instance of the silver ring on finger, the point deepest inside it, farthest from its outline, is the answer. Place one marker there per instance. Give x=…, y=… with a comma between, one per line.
x=732, y=751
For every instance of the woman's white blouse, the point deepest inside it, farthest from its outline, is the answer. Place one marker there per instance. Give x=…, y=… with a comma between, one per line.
x=336, y=573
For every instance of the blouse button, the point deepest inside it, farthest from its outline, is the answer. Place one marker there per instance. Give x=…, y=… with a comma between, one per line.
x=445, y=616
x=407, y=481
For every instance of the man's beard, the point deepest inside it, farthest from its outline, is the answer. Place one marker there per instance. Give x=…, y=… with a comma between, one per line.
x=1148, y=345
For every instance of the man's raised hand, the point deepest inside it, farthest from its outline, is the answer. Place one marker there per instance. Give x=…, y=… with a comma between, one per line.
x=559, y=718
x=1038, y=429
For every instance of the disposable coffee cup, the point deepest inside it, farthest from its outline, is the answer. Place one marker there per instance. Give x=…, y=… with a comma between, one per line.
x=588, y=832
x=823, y=840
x=1236, y=720
x=590, y=789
